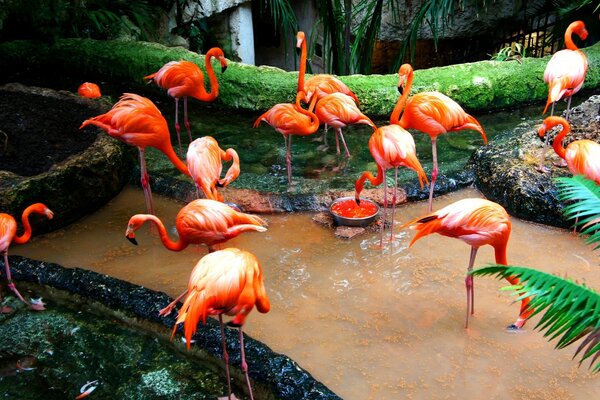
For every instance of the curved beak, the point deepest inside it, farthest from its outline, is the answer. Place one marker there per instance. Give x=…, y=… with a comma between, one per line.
x=132, y=239
x=49, y=214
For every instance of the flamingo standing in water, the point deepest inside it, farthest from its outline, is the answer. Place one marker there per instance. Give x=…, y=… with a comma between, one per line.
x=204, y=160
x=565, y=74
x=432, y=113
x=8, y=235
x=320, y=85
x=89, y=90
x=339, y=110
x=229, y=282
x=184, y=78
x=201, y=221
x=290, y=119
x=135, y=120
x=391, y=146
x=477, y=222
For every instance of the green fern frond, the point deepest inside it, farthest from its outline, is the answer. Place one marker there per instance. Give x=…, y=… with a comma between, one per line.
x=583, y=198
x=572, y=311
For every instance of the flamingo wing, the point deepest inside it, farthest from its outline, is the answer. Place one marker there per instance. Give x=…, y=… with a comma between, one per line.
x=180, y=78
x=8, y=230
x=583, y=158
x=565, y=73
x=204, y=163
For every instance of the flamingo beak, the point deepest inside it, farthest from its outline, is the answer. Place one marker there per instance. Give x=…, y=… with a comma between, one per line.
x=132, y=239
x=49, y=214
x=223, y=68
x=400, y=89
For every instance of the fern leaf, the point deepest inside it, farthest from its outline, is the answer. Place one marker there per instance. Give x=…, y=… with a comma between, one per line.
x=572, y=311
x=583, y=198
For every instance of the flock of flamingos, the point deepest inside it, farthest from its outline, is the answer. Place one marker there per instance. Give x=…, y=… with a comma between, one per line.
x=230, y=281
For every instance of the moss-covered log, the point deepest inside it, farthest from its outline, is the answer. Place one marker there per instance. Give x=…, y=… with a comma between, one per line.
x=484, y=85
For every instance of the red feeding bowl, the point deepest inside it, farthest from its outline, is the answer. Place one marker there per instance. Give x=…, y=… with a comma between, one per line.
x=345, y=211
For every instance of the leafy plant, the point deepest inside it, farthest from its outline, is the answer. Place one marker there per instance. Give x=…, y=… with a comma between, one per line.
x=513, y=52
x=572, y=311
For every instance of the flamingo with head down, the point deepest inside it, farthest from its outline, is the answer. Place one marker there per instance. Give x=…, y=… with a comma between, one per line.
x=477, y=222
x=8, y=235
x=89, y=90
x=135, y=120
x=229, y=282
x=565, y=74
x=204, y=160
x=184, y=78
x=432, y=113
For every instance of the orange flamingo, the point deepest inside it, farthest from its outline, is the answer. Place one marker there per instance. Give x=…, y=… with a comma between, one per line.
x=201, y=221
x=320, y=85
x=135, y=120
x=564, y=75
x=476, y=222
x=184, y=78
x=290, y=119
x=339, y=110
x=391, y=146
x=432, y=113
x=204, y=158
x=89, y=90
x=8, y=235
x=230, y=282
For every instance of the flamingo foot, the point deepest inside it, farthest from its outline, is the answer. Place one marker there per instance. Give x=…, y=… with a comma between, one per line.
x=37, y=305
x=542, y=169
x=560, y=164
x=227, y=397
x=517, y=326
x=322, y=147
x=6, y=310
x=166, y=311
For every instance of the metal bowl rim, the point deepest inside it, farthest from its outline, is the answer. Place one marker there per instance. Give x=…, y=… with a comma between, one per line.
x=339, y=199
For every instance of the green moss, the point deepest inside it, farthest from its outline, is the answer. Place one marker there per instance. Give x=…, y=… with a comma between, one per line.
x=484, y=85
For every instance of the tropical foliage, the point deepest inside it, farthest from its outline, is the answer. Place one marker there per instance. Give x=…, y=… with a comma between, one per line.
x=572, y=311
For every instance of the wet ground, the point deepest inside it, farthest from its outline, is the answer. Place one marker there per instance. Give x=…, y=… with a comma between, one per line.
x=367, y=323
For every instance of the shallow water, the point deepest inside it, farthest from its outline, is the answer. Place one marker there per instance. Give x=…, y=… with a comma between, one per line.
x=368, y=323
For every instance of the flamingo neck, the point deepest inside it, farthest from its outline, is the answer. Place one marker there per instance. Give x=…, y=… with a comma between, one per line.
x=212, y=77
x=24, y=238
x=569, y=39
x=314, y=120
x=164, y=237
x=558, y=140
x=500, y=254
x=395, y=117
x=172, y=156
x=375, y=180
x=302, y=69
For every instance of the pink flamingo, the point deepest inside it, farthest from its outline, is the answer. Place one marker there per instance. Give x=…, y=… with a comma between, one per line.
x=204, y=160
x=184, y=78
x=432, y=113
x=135, y=120
x=564, y=74
x=89, y=90
x=339, y=110
x=229, y=282
x=8, y=235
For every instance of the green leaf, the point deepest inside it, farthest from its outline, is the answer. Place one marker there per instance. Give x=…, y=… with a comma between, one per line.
x=582, y=196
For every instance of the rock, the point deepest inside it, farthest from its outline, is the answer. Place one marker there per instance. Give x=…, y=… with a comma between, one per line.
x=348, y=232
x=324, y=218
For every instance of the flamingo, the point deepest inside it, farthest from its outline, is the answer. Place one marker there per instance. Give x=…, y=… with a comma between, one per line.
x=477, y=222
x=204, y=158
x=230, y=282
x=202, y=221
x=8, y=235
x=432, y=113
x=391, y=146
x=135, y=120
x=339, y=110
x=290, y=119
x=320, y=85
x=565, y=74
x=89, y=90
x=184, y=78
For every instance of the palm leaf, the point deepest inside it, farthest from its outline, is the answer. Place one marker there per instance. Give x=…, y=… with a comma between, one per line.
x=583, y=198
x=572, y=311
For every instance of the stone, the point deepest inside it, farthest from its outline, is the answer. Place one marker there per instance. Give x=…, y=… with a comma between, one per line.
x=348, y=232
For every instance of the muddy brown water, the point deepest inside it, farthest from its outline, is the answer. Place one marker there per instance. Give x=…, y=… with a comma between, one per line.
x=370, y=324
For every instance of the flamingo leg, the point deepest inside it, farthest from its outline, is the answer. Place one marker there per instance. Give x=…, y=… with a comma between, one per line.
x=226, y=355
x=145, y=181
x=11, y=285
x=541, y=167
x=337, y=142
x=177, y=126
x=244, y=364
x=341, y=135
x=288, y=156
x=394, y=202
x=167, y=310
x=185, y=121
x=469, y=286
x=385, y=203
x=568, y=108
x=434, y=172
